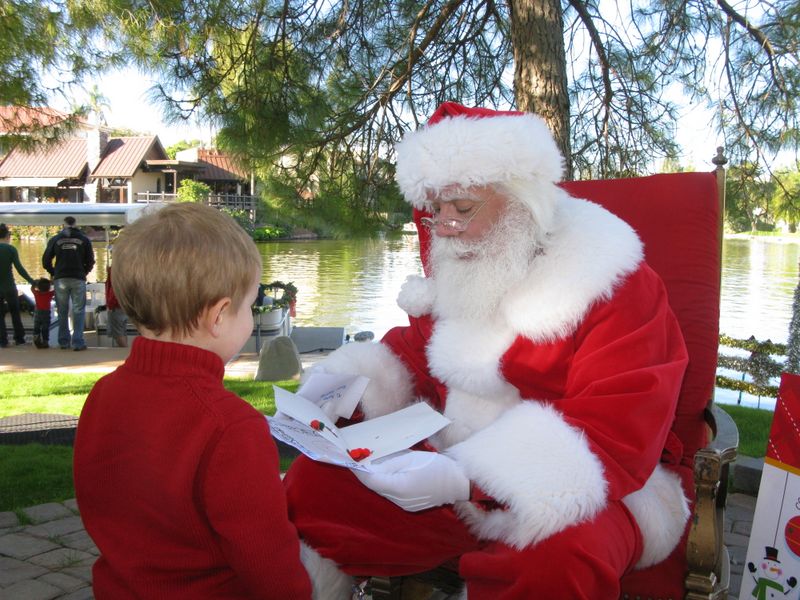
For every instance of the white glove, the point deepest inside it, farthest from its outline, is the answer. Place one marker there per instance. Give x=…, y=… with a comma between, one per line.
x=417, y=480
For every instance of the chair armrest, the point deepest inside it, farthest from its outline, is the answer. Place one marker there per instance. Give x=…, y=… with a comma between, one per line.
x=726, y=440
x=705, y=551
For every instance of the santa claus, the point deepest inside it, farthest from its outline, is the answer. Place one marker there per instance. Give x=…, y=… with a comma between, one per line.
x=541, y=333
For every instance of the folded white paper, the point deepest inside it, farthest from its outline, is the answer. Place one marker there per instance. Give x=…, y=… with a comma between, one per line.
x=301, y=423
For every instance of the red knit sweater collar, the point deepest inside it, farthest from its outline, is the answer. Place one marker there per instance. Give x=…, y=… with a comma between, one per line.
x=169, y=358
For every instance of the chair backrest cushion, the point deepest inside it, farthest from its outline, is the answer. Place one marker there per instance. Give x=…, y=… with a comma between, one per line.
x=677, y=218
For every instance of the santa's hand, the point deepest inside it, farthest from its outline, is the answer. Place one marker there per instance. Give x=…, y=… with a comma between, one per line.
x=417, y=480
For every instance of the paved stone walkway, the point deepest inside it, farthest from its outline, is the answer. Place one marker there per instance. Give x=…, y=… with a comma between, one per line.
x=48, y=555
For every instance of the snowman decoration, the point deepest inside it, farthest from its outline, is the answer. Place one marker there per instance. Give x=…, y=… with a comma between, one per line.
x=769, y=582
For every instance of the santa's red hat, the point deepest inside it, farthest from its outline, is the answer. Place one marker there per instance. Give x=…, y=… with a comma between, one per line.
x=476, y=146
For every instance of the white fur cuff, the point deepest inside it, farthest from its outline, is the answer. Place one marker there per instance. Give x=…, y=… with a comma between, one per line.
x=416, y=296
x=327, y=581
x=540, y=467
x=661, y=511
x=390, y=383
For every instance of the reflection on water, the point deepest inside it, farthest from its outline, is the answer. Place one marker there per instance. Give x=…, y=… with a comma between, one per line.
x=758, y=282
x=351, y=284
x=354, y=283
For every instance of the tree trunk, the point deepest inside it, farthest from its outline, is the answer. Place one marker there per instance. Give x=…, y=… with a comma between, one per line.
x=540, y=70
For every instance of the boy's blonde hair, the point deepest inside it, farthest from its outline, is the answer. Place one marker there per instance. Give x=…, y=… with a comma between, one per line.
x=174, y=263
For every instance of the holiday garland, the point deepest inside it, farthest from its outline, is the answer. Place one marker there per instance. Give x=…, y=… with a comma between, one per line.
x=759, y=365
x=289, y=293
x=745, y=386
x=752, y=344
x=288, y=296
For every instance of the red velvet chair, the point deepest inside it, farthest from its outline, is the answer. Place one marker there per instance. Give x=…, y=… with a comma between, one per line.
x=678, y=217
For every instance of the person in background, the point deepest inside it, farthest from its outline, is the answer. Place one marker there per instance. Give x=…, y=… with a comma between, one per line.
x=117, y=319
x=173, y=473
x=69, y=258
x=43, y=295
x=9, y=296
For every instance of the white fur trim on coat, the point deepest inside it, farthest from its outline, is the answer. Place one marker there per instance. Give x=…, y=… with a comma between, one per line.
x=390, y=383
x=465, y=354
x=536, y=464
x=327, y=581
x=661, y=510
x=588, y=252
x=476, y=151
x=416, y=296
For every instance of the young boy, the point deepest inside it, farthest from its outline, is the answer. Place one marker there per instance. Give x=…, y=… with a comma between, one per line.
x=43, y=296
x=176, y=478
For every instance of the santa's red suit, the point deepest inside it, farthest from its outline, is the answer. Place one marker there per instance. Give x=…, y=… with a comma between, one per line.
x=561, y=400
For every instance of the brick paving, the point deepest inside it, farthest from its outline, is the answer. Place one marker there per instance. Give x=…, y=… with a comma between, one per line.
x=47, y=554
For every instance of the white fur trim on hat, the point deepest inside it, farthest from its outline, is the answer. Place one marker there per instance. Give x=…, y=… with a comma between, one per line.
x=390, y=383
x=539, y=466
x=416, y=296
x=661, y=510
x=469, y=151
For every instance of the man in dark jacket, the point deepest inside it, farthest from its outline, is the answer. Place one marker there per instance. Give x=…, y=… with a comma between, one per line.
x=69, y=258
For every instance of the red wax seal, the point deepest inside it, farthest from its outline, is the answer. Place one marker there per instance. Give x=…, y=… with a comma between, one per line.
x=359, y=453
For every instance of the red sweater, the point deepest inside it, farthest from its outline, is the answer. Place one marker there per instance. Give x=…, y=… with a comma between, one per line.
x=42, y=298
x=178, y=484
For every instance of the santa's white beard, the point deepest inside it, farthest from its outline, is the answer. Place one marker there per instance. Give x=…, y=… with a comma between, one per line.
x=471, y=278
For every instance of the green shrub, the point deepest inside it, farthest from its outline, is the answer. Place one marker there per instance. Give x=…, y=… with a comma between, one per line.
x=190, y=190
x=269, y=232
x=242, y=217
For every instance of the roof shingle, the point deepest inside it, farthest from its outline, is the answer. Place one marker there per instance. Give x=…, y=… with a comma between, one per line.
x=124, y=156
x=66, y=160
x=219, y=167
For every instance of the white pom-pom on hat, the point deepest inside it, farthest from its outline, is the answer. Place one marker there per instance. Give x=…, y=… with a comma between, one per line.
x=416, y=296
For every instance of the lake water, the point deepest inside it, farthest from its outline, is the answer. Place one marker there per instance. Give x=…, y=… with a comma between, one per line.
x=354, y=283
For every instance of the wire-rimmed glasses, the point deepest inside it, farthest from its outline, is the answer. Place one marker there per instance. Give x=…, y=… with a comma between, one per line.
x=457, y=225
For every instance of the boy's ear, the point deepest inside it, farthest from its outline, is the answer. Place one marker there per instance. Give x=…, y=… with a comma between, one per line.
x=215, y=315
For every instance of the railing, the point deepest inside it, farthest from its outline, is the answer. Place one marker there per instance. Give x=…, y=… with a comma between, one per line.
x=228, y=201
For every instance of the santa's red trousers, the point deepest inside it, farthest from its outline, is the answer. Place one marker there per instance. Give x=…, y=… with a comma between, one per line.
x=366, y=534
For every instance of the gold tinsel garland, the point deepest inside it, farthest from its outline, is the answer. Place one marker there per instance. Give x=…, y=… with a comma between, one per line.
x=759, y=365
x=753, y=345
x=745, y=386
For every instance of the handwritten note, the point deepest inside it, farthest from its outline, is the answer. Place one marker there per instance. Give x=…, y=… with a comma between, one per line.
x=301, y=423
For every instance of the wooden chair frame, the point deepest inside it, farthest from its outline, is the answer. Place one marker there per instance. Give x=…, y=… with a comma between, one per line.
x=709, y=563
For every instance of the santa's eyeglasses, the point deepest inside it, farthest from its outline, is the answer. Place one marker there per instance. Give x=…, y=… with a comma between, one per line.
x=458, y=225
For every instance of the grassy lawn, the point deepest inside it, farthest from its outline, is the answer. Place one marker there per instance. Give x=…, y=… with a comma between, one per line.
x=34, y=474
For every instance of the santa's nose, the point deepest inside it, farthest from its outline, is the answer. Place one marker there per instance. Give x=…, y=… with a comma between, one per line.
x=447, y=220
x=445, y=230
